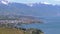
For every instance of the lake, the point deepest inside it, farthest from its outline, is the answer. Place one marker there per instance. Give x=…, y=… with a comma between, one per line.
x=51, y=26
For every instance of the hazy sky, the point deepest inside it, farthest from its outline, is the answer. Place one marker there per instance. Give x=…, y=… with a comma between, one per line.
x=34, y=1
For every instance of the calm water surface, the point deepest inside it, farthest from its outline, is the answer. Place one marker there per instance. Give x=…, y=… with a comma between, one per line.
x=51, y=27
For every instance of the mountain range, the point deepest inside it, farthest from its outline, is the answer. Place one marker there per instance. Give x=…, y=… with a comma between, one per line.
x=36, y=9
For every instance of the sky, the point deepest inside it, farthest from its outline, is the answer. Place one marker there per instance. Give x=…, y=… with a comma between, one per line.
x=37, y=1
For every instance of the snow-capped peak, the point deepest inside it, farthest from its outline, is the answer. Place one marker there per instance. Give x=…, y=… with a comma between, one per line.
x=45, y=3
x=4, y=2
x=30, y=4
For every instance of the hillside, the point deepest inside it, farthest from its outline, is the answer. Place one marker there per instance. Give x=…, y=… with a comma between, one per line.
x=10, y=31
x=19, y=31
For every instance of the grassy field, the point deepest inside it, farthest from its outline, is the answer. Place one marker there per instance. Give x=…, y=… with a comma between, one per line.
x=10, y=31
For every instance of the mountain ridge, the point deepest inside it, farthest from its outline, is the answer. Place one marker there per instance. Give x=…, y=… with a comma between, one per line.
x=24, y=9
